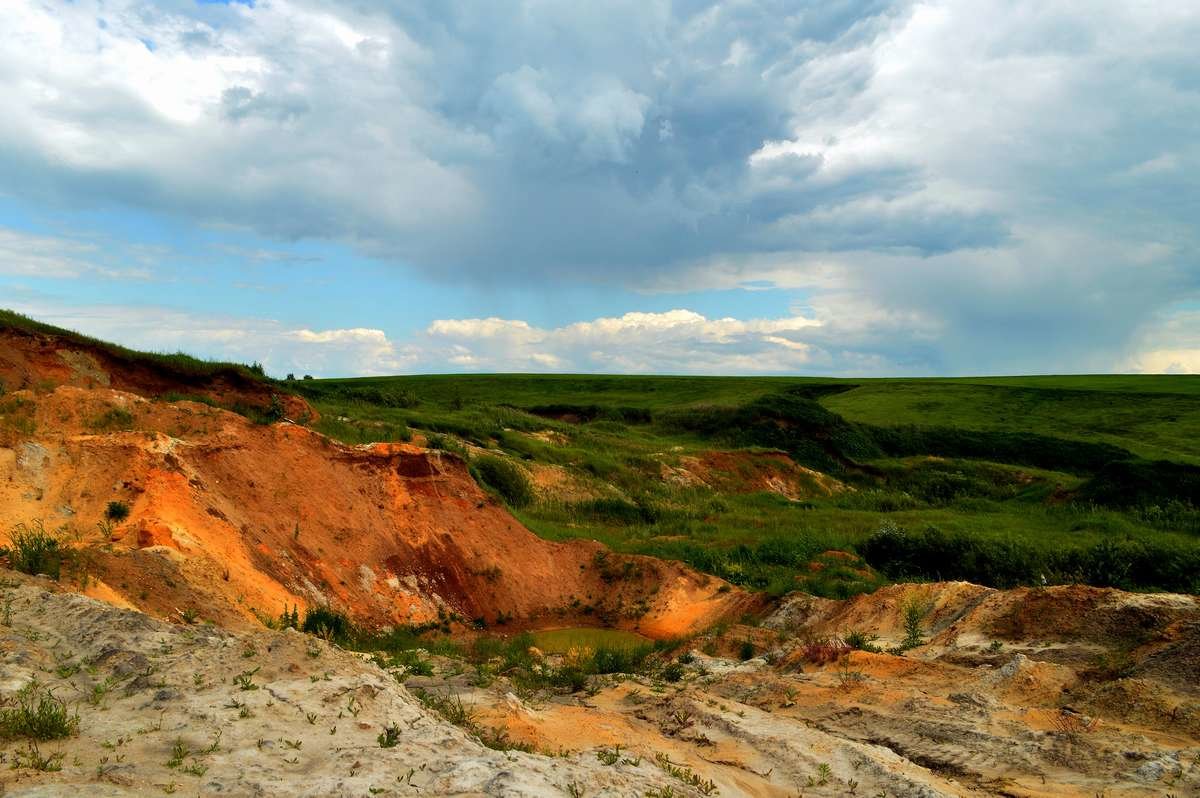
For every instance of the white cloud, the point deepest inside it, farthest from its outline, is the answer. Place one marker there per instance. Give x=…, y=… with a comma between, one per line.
x=679, y=341
x=1170, y=344
x=25, y=254
x=961, y=187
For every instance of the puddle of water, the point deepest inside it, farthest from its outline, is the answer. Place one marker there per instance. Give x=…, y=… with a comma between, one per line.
x=559, y=641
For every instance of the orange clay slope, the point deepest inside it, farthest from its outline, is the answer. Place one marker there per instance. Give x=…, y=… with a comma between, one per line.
x=229, y=518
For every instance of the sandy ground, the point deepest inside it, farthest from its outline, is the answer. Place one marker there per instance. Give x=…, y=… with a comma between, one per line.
x=987, y=713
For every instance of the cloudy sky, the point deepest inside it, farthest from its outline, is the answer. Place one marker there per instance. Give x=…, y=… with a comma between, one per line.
x=845, y=187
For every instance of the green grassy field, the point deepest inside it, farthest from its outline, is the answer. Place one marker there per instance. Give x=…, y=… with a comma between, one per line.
x=1157, y=418
x=999, y=480
x=1154, y=416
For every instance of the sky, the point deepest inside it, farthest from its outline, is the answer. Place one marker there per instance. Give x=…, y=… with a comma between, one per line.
x=835, y=187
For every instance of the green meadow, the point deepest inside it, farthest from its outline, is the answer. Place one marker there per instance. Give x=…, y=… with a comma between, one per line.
x=1002, y=481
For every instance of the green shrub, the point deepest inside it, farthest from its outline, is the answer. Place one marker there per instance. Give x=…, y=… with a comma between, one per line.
x=505, y=478
x=33, y=550
x=672, y=672
x=325, y=622
x=37, y=714
x=116, y=511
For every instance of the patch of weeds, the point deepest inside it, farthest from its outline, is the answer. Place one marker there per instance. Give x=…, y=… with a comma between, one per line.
x=112, y=420
x=609, y=756
x=448, y=705
x=862, y=641
x=498, y=740
x=38, y=715
x=245, y=680
x=824, y=774
x=65, y=670
x=100, y=691
x=849, y=679
x=179, y=752
x=389, y=737
x=32, y=759
x=686, y=775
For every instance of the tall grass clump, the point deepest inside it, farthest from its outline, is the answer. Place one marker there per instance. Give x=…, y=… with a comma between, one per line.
x=32, y=550
x=503, y=477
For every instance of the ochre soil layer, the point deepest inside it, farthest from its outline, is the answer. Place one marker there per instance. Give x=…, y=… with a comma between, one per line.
x=229, y=517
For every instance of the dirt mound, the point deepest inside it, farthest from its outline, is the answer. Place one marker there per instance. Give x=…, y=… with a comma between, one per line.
x=35, y=356
x=227, y=518
x=751, y=472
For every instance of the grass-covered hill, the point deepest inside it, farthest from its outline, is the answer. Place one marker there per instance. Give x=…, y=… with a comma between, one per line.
x=775, y=483
x=1002, y=481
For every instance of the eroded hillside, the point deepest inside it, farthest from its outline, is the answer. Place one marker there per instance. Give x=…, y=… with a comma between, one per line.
x=228, y=517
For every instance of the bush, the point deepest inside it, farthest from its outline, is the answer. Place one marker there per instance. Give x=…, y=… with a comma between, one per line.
x=32, y=550
x=672, y=672
x=325, y=622
x=505, y=478
x=116, y=511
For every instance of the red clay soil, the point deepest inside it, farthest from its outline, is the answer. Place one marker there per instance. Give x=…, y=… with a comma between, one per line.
x=34, y=360
x=229, y=517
